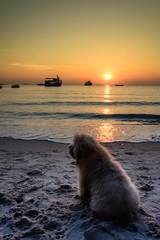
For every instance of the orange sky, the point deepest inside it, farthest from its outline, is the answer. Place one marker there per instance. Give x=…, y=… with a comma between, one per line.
x=80, y=40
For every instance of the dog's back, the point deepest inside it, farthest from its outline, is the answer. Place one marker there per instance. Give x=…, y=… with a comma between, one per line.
x=114, y=195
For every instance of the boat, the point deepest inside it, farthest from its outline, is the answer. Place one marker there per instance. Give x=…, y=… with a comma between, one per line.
x=88, y=83
x=15, y=86
x=119, y=85
x=53, y=82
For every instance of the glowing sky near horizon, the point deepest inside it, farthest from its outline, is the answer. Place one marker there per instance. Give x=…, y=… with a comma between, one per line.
x=80, y=40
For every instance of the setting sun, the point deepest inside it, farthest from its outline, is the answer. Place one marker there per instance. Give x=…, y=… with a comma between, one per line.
x=107, y=77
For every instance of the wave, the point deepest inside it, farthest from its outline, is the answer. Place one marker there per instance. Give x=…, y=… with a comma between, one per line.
x=152, y=118
x=143, y=118
x=85, y=103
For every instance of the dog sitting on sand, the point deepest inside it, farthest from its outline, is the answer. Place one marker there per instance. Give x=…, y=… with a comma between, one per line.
x=103, y=181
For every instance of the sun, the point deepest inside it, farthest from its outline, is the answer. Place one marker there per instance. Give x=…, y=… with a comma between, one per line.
x=107, y=76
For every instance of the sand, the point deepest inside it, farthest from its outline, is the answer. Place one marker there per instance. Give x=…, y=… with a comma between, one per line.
x=39, y=196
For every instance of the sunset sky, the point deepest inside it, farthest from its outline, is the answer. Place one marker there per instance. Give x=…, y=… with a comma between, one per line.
x=80, y=40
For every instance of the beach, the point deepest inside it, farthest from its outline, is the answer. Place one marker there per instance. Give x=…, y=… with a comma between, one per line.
x=39, y=194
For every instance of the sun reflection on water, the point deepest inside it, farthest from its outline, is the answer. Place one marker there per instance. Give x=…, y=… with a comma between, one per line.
x=106, y=110
x=107, y=132
x=107, y=94
x=107, y=99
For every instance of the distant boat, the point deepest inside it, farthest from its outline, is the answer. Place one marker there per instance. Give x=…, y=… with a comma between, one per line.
x=53, y=82
x=88, y=83
x=119, y=85
x=40, y=84
x=15, y=86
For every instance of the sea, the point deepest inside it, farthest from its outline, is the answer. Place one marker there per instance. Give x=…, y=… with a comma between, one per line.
x=109, y=113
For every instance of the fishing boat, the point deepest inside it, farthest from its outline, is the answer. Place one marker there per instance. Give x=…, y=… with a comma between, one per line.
x=15, y=86
x=88, y=83
x=53, y=82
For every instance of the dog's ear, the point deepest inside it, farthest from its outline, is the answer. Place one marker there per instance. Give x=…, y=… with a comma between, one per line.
x=85, y=145
x=82, y=151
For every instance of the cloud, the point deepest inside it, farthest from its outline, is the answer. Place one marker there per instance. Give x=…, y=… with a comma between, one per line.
x=38, y=67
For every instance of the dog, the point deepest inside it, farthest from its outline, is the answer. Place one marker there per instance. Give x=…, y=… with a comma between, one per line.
x=103, y=181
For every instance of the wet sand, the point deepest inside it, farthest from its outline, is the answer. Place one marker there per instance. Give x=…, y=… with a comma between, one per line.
x=39, y=196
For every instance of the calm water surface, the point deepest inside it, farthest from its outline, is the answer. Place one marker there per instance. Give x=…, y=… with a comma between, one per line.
x=110, y=113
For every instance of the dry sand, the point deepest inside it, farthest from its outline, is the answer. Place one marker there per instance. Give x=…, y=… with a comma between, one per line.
x=39, y=196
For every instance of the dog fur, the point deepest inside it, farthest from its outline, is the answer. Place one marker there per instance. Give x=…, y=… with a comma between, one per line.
x=103, y=181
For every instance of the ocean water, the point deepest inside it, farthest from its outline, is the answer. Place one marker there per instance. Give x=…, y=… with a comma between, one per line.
x=110, y=113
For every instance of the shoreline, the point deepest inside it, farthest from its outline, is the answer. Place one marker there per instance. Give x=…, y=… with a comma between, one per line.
x=16, y=145
x=67, y=143
x=39, y=193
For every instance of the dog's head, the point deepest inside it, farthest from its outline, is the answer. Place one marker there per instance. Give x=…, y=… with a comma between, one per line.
x=83, y=146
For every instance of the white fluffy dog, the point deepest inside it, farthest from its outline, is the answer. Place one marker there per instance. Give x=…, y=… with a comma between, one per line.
x=103, y=181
